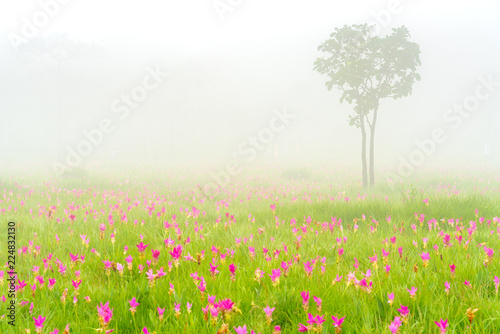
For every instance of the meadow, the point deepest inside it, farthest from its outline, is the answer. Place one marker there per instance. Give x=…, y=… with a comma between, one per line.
x=280, y=251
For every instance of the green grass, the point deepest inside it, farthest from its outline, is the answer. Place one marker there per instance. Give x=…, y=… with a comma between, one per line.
x=297, y=194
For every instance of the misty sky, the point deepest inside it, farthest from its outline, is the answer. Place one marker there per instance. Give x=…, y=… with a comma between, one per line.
x=228, y=70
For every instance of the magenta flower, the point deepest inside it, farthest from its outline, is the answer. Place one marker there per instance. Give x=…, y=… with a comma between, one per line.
x=145, y=330
x=141, y=247
x=404, y=311
x=241, y=330
x=275, y=276
x=269, y=311
x=133, y=305
x=442, y=324
x=391, y=298
x=496, y=280
x=176, y=252
x=39, y=323
x=155, y=253
x=446, y=287
x=412, y=292
x=337, y=322
x=425, y=256
x=302, y=328
x=161, y=311
x=394, y=326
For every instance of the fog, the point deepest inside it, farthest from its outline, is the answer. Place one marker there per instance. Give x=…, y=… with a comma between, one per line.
x=209, y=76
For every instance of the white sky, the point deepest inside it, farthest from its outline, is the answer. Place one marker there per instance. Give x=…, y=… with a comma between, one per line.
x=260, y=56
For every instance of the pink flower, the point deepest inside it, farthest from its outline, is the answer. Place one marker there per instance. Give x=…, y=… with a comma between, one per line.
x=412, y=292
x=337, y=322
x=155, y=253
x=394, y=326
x=105, y=314
x=241, y=330
x=39, y=323
x=145, y=330
x=404, y=311
x=305, y=297
x=302, y=328
x=391, y=298
x=133, y=305
x=425, y=256
x=442, y=324
x=141, y=247
x=176, y=252
x=269, y=311
x=232, y=269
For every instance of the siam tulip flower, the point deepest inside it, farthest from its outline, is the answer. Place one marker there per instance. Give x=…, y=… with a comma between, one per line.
x=133, y=306
x=337, y=324
x=275, y=276
x=404, y=311
x=305, y=300
x=425, y=258
x=176, y=254
x=188, y=307
x=285, y=266
x=391, y=298
x=318, y=303
x=467, y=283
x=213, y=270
x=269, y=313
x=241, y=330
x=385, y=256
x=155, y=254
x=316, y=322
x=488, y=252
x=400, y=251
x=107, y=267
x=337, y=279
x=308, y=267
x=447, y=287
x=76, y=284
x=145, y=331
x=232, y=269
x=442, y=324
x=129, y=259
x=387, y=270
x=177, y=310
x=470, y=313
x=161, y=311
x=452, y=270
x=105, y=314
x=55, y=331
x=412, y=292
x=119, y=267
x=39, y=324
x=373, y=260
x=302, y=328
x=496, y=280
x=141, y=247
x=394, y=326
x=258, y=275
x=277, y=330
x=52, y=281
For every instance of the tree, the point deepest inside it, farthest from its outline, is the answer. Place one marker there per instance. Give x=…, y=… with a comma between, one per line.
x=367, y=68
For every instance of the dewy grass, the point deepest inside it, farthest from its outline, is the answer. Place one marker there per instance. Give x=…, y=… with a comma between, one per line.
x=132, y=255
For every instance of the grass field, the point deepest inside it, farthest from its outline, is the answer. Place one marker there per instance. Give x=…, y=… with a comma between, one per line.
x=143, y=243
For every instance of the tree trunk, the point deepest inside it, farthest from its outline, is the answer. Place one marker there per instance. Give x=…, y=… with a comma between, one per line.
x=372, y=146
x=363, y=149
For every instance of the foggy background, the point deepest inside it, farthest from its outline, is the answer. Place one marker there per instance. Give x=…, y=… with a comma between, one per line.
x=227, y=73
